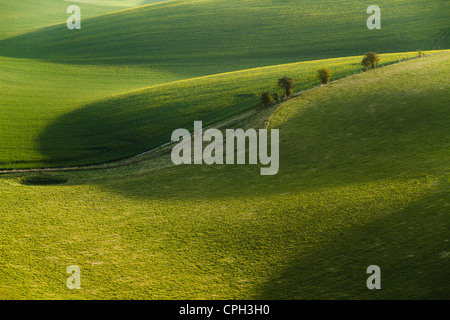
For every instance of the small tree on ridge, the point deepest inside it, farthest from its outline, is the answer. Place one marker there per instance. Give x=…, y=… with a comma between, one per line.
x=324, y=75
x=370, y=60
x=266, y=98
x=276, y=96
x=287, y=83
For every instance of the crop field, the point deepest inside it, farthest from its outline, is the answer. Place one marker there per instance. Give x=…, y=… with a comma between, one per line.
x=363, y=164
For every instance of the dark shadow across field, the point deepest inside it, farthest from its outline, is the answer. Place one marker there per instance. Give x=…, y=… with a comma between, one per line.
x=327, y=144
x=122, y=127
x=410, y=246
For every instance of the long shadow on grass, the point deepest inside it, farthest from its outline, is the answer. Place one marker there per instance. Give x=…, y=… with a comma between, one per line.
x=381, y=125
x=125, y=126
x=304, y=249
x=410, y=246
x=328, y=144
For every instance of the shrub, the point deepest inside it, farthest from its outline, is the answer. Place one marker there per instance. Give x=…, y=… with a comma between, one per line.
x=370, y=61
x=365, y=63
x=324, y=75
x=266, y=98
x=42, y=179
x=276, y=96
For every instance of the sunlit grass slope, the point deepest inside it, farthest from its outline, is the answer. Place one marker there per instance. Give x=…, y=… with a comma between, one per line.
x=23, y=16
x=213, y=36
x=55, y=114
x=61, y=115
x=363, y=180
x=34, y=94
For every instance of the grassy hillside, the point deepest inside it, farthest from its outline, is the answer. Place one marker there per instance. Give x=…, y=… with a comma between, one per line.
x=35, y=94
x=364, y=179
x=72, y=108
x=213, y=36
x=24, y=16
x=60, y=115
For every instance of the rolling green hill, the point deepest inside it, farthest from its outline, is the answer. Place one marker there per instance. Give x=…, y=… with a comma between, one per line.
x=214, y=36
x=24, y=16
x=35, y=94
x=64, y=97
x=364, y=179
x=364, y=161
x=60, y=115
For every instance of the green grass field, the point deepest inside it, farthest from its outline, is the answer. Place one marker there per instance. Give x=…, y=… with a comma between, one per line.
x=52, y=77
x=363, y=180
x=215, y=36
x=24, y=16
x=364, y=160
x=82, y=125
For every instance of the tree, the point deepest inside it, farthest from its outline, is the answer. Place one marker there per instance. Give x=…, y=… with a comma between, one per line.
x=287, y=83
x=370, y=60
x=365, y=63
x=266, y=98
x=276, y=96
x=324, y=75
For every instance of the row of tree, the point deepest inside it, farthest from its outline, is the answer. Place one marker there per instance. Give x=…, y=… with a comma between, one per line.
x=369, y=62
